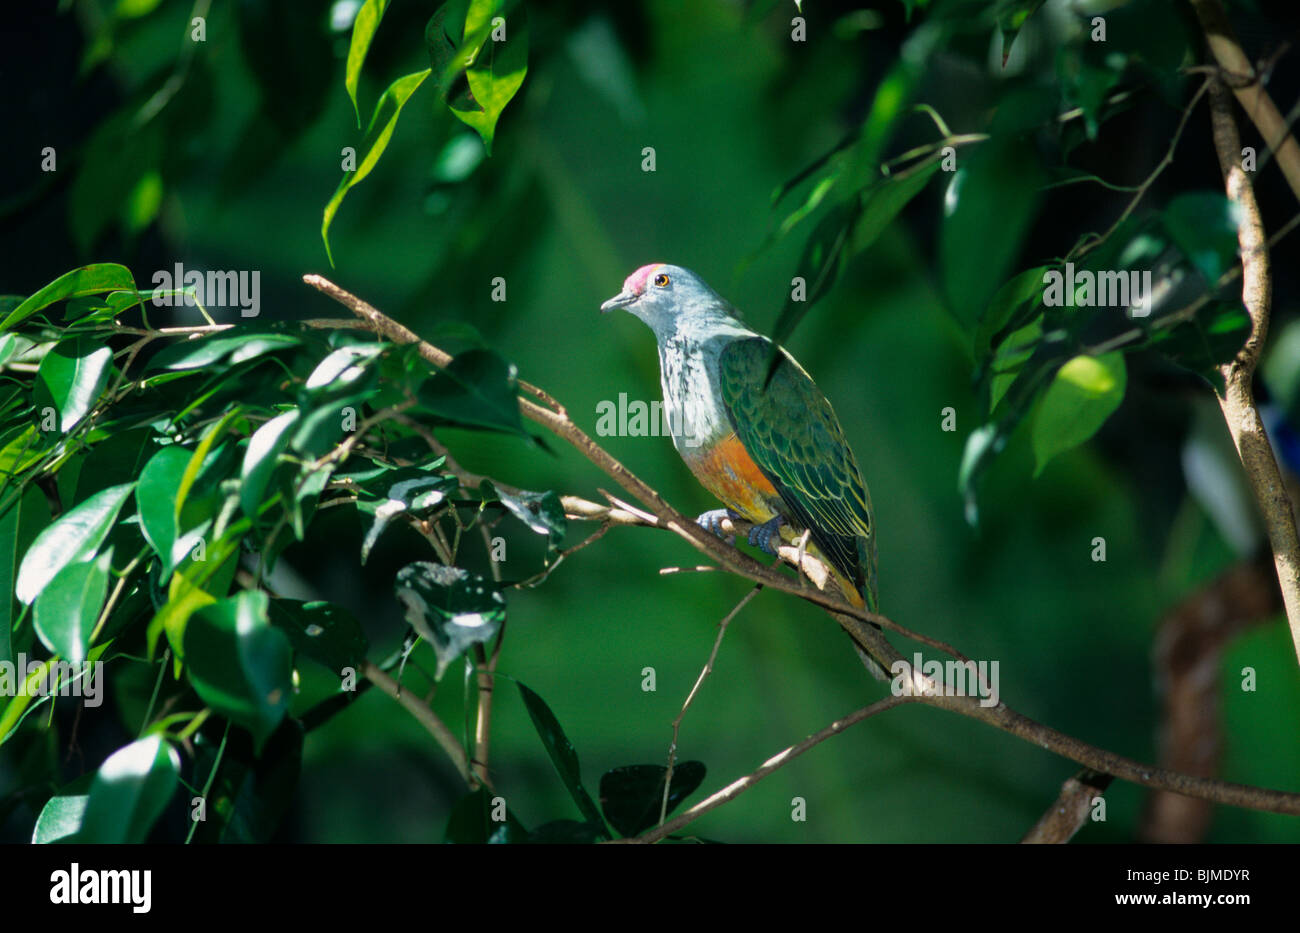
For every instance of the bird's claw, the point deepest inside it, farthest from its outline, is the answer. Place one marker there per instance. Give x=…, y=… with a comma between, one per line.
x=711, y=521
x=760, y=536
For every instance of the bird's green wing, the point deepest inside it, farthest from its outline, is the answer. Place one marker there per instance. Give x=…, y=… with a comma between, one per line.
x=790, y=431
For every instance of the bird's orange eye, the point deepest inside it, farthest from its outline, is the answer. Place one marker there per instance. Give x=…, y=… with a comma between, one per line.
x=661, y=280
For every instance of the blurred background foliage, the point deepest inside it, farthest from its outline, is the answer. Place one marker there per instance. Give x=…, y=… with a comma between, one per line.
x=223, y=154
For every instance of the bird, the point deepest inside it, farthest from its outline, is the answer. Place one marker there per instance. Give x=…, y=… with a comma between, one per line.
x=764, y=441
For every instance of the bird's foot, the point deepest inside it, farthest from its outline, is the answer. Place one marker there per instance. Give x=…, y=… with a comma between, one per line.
x=762, y=536
x=711, y=521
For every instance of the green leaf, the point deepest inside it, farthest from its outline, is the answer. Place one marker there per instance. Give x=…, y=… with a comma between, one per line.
x=1012, y=15
x=239, y=663
x=156, y=496
x=130, y=791
x=74, y=537
x=252, y=790
x=497, y=73
x=1211, y=338
x=328, y=634
x=562, y=754
x=542, y=512
x=71, y=378
x=1076, y=404
x=382, y=123
x=632, y=796
x=1023, y=292
x=343, y=368
x=409, y=490
x=88, y=280
x=204, y=352
x=567, y=833
x=477, y=388
x=363, y=31
x=1203, y=224
x=68, y=607
x=449, y=607
x=819, y=266
x=61, y=817
x=990, y=203
x=260, y=459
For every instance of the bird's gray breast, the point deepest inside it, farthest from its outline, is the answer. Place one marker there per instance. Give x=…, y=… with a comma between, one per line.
x=692, y=400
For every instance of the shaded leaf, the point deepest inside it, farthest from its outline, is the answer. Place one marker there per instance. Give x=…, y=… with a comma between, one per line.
x=322, y=631
x=632, y=796
x=477, y=388
x=472, y=821
x=562, y=753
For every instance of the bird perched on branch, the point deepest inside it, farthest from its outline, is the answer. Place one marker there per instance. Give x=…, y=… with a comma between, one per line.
x=765, y=441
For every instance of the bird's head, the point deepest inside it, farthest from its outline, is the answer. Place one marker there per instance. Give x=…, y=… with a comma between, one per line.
x=661, y=294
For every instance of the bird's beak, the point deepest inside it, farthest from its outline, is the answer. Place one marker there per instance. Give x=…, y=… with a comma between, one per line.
x=621, y=300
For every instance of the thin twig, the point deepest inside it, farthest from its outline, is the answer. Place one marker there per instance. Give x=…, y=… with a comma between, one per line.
x=690, y=697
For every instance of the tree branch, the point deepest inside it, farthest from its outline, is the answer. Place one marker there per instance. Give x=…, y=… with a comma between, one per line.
x=1249, y=91
x=425, y=716
x=1067, y=815
x=1238, y=398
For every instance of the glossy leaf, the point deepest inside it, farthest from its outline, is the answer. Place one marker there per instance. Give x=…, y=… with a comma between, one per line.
x=542, y=512
x=74, y=537
x=363, y=31
x=71, y=378
x=497, y=73
x=328, y=634
x=68, y=607
x=61, y=817
x=260, y=459
x=449, y=607
x=239, y=663
x=130, y=791
x=207, y=351
x=408, y=490
x=88, y=280
x=156, y=496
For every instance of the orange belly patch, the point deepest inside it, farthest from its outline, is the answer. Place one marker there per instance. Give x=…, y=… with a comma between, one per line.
x=728, y=471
